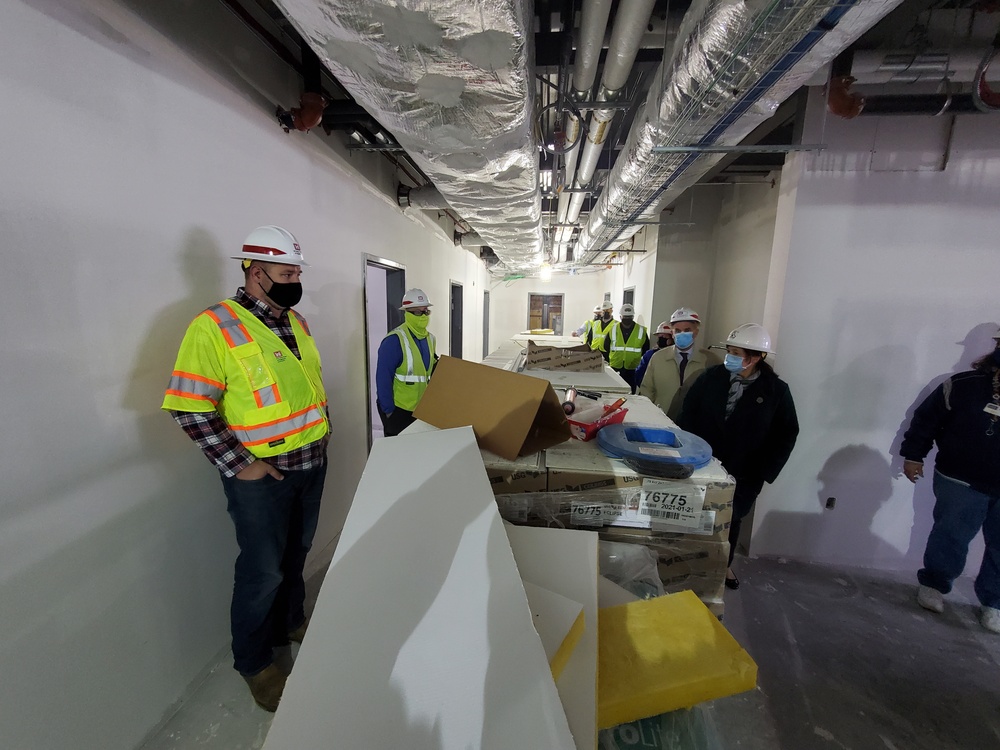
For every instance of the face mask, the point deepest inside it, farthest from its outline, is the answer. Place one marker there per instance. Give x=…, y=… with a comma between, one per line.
x=684, y=339
x=734, y=363
x=284, y=295
x=597, y=316
x=663, y=342
x=606, y=316
x=996, y=357
x=627, y=320
x=417, y=324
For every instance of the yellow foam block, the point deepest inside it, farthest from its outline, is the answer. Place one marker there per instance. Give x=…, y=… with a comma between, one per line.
x=663, y=654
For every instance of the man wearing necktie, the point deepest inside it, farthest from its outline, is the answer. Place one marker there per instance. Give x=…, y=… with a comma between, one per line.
x=672, y=369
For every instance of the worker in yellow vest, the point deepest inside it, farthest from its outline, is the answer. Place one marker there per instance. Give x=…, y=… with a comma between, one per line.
x=586, y=330
x=625, y=344
x=406, y=359
x=600, y=328
x=247, y=387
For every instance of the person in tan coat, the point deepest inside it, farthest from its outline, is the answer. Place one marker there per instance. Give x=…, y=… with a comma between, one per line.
x=672, y=369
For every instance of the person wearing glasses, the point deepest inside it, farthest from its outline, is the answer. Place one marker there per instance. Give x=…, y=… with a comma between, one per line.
x=406, y=359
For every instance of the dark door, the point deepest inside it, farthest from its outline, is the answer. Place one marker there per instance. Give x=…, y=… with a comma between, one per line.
x=486, y=324
x=456, y=320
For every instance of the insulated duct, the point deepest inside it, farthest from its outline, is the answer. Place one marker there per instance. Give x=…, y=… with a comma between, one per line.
x=451, y=81
x=734, y=63
x=626, y=37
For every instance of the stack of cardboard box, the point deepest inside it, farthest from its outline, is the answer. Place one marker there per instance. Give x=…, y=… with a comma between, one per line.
x=542, y=479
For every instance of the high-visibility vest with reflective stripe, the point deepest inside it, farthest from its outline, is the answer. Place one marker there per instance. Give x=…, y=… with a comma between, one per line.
x=411, y=378
x=600, y=332
x=626, y=355
x=230, y=362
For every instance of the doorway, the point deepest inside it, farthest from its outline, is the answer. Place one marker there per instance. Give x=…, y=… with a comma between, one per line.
x=486, y=324
x=384, y=284
x=545, y=311
x=628, y=296
x=457, y=297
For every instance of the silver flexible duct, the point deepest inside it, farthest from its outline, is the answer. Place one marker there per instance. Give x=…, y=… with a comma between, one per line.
x=451, y=81
x=733, y=65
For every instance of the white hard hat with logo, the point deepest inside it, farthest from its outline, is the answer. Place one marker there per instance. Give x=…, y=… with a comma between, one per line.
x=606, y=305
x=627, y=311
x=664, y=327
x=682, y=314
x=414, y=298
x=271, y=244
x=597, y=308
x=751, y=336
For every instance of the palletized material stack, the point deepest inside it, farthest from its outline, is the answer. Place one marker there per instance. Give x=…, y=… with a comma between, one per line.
x=587, y=490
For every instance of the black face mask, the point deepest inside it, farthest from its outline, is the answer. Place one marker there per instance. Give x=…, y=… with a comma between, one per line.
x=664, y=342
x=286, y=294
x=996, y=357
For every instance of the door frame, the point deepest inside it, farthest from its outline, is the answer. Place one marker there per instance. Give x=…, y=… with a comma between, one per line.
x=366, y=260
x=451, y=314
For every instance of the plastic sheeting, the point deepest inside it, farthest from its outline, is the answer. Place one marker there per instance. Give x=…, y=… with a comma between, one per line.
x=735, y=61
x=451, y=80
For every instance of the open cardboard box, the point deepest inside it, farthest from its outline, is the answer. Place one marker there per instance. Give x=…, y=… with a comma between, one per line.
x=573, y=359
x=512, y=415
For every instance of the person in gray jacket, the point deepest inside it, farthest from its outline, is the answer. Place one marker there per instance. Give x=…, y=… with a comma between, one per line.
x=671, y=370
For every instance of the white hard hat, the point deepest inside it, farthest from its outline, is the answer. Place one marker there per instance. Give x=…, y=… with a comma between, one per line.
x=682, y=314
x=751, y=336
x=606, y=305
x=598, y=308
x=664, y=327
x=626, y=310
x=273, y=245
x=414, y=298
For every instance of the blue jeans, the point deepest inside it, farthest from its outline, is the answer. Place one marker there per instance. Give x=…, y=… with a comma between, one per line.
x=959, y=513
x=275, y=522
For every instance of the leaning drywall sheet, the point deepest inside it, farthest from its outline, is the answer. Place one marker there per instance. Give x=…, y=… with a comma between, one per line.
x=558, y=621
x=565, y=561
x=422, y=636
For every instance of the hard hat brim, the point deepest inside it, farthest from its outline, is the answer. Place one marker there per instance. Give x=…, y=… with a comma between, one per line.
x=282, y=259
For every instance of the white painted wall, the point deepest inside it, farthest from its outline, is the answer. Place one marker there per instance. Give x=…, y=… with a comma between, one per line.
x=685, y=255
x=891, y=285
x=509, y=301
x=744, y=233
x=141, y=150
x=637, y=270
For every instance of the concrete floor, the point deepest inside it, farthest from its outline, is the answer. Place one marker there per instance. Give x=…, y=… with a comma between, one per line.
x=847, y=661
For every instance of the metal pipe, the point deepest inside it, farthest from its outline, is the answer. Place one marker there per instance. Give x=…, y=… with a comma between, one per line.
x=630, y=24
x=425, y=197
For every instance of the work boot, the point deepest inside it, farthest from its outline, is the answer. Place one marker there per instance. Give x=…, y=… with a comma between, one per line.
x=266, y=687
x=931, y=599
x=300, y=632
x=989, y=618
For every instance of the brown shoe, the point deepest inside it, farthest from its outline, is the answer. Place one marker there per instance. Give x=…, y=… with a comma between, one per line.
x=266, y=687
x=300, y=632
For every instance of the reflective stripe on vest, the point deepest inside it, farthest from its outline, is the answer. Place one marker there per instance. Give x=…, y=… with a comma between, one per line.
x=280, y=428
x=189, y=385
x=622, y=355
x=409, y=377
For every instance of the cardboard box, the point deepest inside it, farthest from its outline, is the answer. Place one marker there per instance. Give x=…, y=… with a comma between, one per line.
x=515, y=481
x=571, y=359
x=512, y=415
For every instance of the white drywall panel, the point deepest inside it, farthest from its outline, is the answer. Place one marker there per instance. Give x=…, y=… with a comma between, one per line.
x=891, y=286
x=565, y=561
x=422, y=637
x=553, y=616
x=149, y=153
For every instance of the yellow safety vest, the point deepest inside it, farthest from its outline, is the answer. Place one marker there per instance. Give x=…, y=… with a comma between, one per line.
x=411, y=376
x=626, y=355
x=597, y=343
x=230, y=362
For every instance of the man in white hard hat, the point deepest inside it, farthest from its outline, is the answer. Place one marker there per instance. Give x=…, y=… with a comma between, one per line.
x=962, y=416
x=625, y=344
x=406, y=359
x=672, y=369
x=247, y=388
x=586, y=331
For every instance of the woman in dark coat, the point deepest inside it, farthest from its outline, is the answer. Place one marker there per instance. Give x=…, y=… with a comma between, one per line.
x=746, y=414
